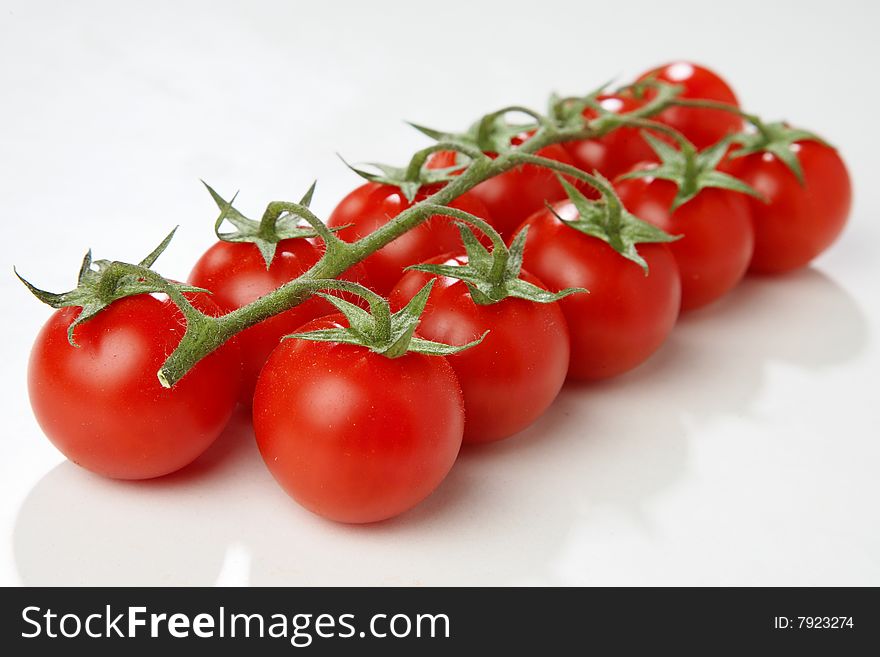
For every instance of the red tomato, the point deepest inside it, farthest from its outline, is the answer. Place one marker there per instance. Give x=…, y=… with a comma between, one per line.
x=714, y=252
x=701, y=126
x=799, y=221
x=515, y=194
x=236, y=273
x=616, y=152
x=372, y=205
x=352, y=435
x=513, y=376
x=101, y=404
x=626, y=316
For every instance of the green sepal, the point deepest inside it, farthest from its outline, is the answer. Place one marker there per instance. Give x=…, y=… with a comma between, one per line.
x=639, y=88
x=402, y=178
x=777, y=139
x=436, y=135
x=101, y=282
x=492, y=276
x=609, y=221
x=492, y=133
x=568, y=113
x=381, y=331
x=691, y=171
x=266, y=233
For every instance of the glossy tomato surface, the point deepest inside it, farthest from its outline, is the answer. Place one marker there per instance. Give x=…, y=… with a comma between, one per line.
x=701, y=126
x=352, y=435
x=626, y=316
x=717, y=240
x=616, y=152
x=798, y=222
x=101, y=404
x=512, y=196
x=373, y=205
x=513, y=376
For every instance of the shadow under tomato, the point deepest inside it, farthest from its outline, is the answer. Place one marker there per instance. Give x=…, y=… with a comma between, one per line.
x=511, y=507
x=623, y=440
x=77, y=528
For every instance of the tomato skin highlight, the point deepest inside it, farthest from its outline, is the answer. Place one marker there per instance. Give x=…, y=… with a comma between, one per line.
x=626, y=316
x=101, y=403
x=616, y=152
x=236, y=274
x=717, y=240
x=373, y=205
x=515, y=194
x=512, y=377
x=354, y=436
x=799, y=221
x=703, y=127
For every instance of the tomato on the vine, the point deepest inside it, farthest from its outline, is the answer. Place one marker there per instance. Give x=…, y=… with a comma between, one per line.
x=799, y=220
x=512, y=196
x=716, y=227
x=627, y=314
x=702, y=126
x=513, y=376
x=101, y=403
x=373, y=205
x=352, y=435
x=617, y=151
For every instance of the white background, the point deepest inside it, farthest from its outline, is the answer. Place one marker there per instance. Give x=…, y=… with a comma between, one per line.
x=745, y=452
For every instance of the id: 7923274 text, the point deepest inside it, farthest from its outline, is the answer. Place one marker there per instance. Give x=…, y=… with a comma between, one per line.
x=813, y=622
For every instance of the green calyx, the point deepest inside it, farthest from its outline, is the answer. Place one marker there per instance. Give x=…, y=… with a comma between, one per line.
x=379, y=330
x=492, y=276
x=567, y=113
x=101, y=282
x=492, y=133
x=690, y=170
x=280, y=221
x=777, y=139
x=639, y=88
x=413, y=177
x=609, y=221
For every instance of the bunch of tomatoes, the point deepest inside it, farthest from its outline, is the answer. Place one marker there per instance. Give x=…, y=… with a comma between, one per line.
x=360, y=419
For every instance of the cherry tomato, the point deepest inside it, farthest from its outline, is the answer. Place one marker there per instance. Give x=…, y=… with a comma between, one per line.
x=714, y=252
x=798, y=222
x=372, y=205
x=515, y=194
x=513, y=376
x=236, y=273
x=352, y=435
x=101, y=404
x=626, y=316
x=701, y=126
x=616, y=152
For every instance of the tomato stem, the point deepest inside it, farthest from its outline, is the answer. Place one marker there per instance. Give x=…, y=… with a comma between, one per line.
x=414, y=168
x=754, y=119
x=205, y=333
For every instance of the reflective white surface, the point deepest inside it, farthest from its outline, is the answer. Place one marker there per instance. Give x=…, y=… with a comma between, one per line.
x=744, y=452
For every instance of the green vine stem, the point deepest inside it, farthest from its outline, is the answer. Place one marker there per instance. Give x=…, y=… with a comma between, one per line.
x=204, y=333
x=755, y=120
x=418, y=160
